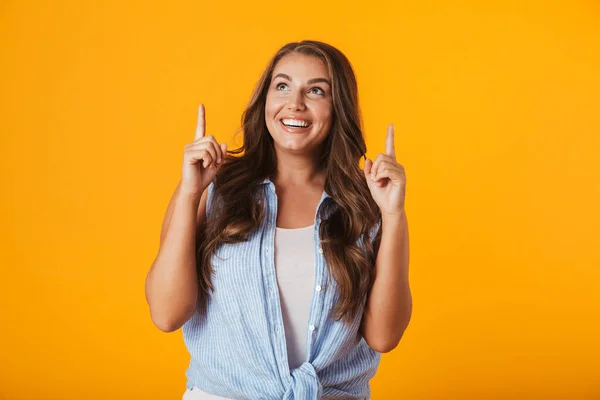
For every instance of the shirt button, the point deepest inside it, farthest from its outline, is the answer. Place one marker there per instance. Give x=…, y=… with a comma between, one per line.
x=312, y=328
x=277, y=329
x=321, y=250
x=267, y=251
x=269, y=224
x=318, y=288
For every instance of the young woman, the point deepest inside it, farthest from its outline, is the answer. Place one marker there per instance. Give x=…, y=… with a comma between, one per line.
x=287, y=265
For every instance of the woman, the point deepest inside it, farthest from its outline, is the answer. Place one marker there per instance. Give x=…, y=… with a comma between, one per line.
x=286, y=266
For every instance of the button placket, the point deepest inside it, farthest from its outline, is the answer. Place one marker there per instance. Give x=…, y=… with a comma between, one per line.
x=318, y=300
x=274, y=300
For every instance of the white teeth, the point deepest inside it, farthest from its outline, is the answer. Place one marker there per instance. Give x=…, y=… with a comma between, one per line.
x=294, y=123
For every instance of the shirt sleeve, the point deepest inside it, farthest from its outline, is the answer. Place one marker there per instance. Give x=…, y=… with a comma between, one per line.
x=209, y=199
x=373, y=232
x=370, y=236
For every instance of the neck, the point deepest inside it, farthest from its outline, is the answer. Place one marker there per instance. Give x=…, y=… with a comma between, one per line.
x=295, y=170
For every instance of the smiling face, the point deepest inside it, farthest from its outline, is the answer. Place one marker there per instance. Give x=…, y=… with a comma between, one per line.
x=298, y=109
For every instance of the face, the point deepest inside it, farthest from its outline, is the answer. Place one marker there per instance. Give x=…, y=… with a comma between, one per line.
x=298, y=109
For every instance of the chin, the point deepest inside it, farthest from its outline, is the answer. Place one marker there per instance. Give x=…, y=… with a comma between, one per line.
x=293, y=146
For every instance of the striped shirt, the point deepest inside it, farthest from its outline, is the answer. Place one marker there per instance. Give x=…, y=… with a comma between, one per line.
x=238, y=347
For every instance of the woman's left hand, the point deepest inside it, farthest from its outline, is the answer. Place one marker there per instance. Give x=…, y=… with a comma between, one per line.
x=386, y=179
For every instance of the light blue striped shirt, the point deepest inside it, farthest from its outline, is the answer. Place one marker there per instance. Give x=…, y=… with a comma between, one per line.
x=238, y=347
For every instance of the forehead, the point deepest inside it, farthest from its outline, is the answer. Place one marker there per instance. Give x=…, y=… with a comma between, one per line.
x=300, y=66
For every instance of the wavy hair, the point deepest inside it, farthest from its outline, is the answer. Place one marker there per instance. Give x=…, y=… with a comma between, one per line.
x=349, y=217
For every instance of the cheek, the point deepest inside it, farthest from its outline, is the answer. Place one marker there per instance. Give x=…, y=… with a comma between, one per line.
x=325, y=115
x=272, y=107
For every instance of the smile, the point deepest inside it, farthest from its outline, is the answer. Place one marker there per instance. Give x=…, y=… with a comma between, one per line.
x=295, y=123
x=295, y=126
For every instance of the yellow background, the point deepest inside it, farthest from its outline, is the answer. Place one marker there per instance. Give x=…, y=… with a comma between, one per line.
x=496, y=107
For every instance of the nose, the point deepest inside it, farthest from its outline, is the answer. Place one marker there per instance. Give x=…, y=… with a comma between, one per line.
x=296, y=101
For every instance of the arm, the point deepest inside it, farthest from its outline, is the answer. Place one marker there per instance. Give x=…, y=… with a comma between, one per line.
x=389, y=304
x=172, y=283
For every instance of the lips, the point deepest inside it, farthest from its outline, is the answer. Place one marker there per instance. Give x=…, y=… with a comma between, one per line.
x=293, y=124
x=293, y=129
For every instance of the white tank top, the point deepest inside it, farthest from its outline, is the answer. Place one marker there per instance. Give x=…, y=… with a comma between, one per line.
x=295, y=271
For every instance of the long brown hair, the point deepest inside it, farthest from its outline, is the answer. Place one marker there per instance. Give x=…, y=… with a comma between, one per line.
x=350, y=215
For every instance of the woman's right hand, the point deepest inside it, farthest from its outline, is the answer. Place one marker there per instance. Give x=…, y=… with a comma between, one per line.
x=202, y=158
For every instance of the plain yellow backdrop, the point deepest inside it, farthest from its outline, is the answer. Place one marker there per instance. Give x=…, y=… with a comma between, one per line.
x=496, y=107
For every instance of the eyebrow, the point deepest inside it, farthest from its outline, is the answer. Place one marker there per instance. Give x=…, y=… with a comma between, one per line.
x=310, y=81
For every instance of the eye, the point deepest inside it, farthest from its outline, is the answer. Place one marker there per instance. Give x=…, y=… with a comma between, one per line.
x=279, y=85
x=317, y=90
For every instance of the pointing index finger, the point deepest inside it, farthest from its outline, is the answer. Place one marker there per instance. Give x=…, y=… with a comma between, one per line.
x=390, y=149
x=201, y=124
